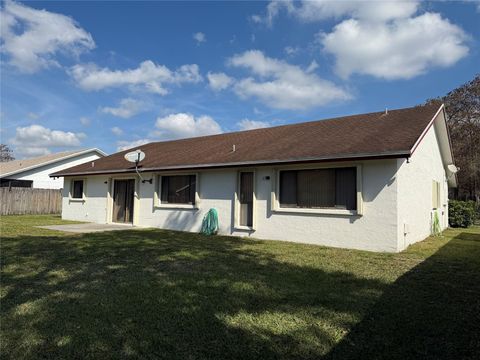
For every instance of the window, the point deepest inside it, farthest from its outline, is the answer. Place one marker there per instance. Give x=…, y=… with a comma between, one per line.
x=16, y=183
x=319, y=188
x=77, y=189
x=435, y=194
x=245, y=197
x=178, y=189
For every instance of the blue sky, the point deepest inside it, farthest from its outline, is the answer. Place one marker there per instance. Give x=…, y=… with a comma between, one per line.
x=117, y=74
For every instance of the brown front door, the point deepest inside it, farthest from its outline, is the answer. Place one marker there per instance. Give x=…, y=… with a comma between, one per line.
x=123, y=193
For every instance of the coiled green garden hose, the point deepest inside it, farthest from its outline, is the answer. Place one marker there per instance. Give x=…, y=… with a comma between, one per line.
x=210, y=222
x=436, y=231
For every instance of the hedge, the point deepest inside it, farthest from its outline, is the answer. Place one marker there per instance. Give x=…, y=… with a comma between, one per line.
x=461, y=213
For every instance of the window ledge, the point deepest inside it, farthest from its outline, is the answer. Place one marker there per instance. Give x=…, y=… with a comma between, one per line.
x=243, y=228
x=76, y=200
x=317, y=211
x=176, y=206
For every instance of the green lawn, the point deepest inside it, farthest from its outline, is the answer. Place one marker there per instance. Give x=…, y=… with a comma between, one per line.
x=172, y=295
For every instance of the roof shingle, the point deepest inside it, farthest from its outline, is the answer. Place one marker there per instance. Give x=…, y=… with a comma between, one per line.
x=367, y=136
x=16, y=166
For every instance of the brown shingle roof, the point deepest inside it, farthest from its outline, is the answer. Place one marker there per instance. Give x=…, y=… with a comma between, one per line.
x=366, y=136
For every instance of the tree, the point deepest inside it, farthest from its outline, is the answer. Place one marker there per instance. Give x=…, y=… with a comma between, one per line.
x=6, y=154
x=463, y=110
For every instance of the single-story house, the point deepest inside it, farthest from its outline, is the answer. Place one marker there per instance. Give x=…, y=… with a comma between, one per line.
x=34, y=172
x=372, y=181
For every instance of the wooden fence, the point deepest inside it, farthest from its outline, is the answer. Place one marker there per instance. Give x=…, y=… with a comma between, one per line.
x=17, y=201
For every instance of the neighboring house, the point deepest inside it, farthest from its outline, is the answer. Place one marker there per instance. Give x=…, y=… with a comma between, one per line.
x=35, y=172
x=371, y=181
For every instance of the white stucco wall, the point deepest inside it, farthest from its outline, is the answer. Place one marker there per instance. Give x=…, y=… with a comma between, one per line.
x=40, y=175
x=415, y=179
x=94, y=207
x=375, y=230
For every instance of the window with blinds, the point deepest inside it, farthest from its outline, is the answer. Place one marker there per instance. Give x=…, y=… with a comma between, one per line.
x=178, y=189
x=319, y=188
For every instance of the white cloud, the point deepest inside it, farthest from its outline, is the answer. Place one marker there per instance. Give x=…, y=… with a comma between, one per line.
x=369, y=10
x=273, y=9
x=199, y=37
x=173, y=126
x=148, y=76
x=291, y=50
x=219, y=81
x=312, y=67
x=84, y=121
x=385, y=39
x=125, y=145
x=33, y=116
x=247, y=124
x=401, y=49
x=116, y=131
x=37, y=140
x=311, y=11
x=257, y=111
x=32, y=38
x=126, y=109
x=281, y=85
x=184, y=125
x=256, y=18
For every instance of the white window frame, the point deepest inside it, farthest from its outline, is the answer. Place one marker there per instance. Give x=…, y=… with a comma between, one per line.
x=237, y=225
x=157, y=197
x=276, y=208
x=84, y=190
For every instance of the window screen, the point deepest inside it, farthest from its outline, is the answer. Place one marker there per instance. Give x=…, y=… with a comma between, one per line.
x=77, y=192
x=178, y=189
x=246, y=198
x=319, y=188
x=435, y=194
x=16, y=183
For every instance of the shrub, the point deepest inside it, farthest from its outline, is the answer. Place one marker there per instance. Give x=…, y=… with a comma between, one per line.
x=461, y=213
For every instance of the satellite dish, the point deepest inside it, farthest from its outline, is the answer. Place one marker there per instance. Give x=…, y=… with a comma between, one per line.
x=452, y=168
x=135, y=156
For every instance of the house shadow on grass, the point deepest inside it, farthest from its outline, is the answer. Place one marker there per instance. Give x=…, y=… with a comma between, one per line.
x=170, y=295
x=431, y=312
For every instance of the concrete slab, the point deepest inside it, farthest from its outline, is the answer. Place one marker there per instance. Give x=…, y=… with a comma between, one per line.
x=89, y=227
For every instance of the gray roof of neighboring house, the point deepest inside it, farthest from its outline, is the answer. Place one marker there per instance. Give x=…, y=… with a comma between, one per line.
x=10, y=168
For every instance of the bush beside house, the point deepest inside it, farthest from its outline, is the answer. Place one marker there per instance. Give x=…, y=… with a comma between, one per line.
x=461, y=213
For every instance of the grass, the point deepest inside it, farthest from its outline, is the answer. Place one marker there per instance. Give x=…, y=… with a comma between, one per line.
x=172, y=295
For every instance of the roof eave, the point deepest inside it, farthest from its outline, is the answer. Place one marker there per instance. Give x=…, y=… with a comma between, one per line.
x=384, y=155
x=449, y=158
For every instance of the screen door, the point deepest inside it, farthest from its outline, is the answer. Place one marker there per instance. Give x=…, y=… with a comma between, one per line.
x=123, y=193
x=246, y=199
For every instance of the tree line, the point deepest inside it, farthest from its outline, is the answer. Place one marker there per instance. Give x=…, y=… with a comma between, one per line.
x=463, y=119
